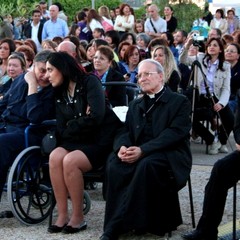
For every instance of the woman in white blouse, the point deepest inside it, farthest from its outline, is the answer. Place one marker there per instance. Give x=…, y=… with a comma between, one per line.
x=219, y=21
x=125, y=21
x=94, y=20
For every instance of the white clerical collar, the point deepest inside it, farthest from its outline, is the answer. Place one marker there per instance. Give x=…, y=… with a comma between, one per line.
x=152, y=95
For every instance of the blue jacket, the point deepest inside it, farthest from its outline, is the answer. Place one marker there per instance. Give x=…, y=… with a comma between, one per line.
x=19, y=109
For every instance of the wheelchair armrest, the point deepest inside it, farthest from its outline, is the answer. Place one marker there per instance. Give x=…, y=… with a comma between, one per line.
x=50, y=123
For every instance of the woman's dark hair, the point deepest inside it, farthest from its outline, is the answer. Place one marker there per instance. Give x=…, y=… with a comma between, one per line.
x=170, y=38
x=80, y=50
x=98, y=42
x=11, y=45
x=73, y=29
x=125, y=36
x=93, y=14
x=124, y=43
x=106, y=51
x=129, y=52
x=114, y=35
x=29, y=42
x=69, y=68
x=122, y=6
x=57, y=39
x=81, y=15
x=221, y=12
x=221, y=56
x=170, y=7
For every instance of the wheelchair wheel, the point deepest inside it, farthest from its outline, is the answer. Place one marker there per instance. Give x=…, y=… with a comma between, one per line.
x=86, y=202
x=29, y=190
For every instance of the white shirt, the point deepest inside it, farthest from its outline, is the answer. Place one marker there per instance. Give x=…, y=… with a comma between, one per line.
x=95, y=24
x=160, y=25
x=127, y=23
x=34, y=35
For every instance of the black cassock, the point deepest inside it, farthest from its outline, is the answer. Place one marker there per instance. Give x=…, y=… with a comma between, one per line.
x=143, y=196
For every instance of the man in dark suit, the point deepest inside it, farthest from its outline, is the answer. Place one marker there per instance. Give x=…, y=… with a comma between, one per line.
x=151, y=160
x=224, y=175
x=34, y=28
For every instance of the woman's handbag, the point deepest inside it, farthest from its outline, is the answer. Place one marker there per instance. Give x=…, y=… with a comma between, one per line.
x=49, y=143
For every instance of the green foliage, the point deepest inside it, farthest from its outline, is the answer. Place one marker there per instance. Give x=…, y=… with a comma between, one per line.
x=71, y=7
x=185, y=11
x=186, y=14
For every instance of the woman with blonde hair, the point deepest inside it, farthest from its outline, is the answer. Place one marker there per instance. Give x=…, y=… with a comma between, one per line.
x=164, y=56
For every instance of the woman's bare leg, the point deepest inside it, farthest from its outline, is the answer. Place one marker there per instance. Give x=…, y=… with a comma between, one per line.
x=75, y=164
x=58, y=184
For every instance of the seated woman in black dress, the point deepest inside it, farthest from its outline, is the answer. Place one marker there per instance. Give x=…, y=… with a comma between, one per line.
x=85, y=129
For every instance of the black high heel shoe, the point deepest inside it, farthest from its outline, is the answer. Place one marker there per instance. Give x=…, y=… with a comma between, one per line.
x=56, y=229
x=69, y=229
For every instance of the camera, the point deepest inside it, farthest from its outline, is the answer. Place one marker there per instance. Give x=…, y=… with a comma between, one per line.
x=197, y=38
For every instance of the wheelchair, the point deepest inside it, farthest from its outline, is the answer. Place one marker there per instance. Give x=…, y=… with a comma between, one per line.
x=29, y=189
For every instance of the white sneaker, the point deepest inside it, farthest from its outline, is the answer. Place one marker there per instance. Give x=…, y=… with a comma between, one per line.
x=223, y=149
x=214, y=148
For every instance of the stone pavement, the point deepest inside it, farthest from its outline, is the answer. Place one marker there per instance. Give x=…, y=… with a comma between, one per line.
x=202, y=164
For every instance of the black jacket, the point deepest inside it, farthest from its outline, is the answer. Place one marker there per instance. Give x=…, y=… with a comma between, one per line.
x=116, y=94
x=170, y=128
x=28, y=31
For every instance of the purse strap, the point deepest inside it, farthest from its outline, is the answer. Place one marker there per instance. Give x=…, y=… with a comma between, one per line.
x=155, y=30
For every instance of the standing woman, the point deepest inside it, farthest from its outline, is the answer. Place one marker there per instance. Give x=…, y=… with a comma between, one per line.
x=219, y=21
x=83, y=119
x=104, y=13
x=164, y=56
x=7, y=46
x=232, y=55
x=232, y=21
x=94, y=20
x=125, y=21
x=218, y=75
x=170, y=19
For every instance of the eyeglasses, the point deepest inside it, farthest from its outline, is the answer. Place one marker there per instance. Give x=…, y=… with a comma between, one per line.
x=230, y=51
x=144, y=74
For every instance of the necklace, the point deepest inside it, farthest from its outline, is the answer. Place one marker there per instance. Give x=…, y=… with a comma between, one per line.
x=70, y=98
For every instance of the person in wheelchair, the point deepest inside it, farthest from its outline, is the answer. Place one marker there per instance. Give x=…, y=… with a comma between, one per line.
x=151, y=160
x=213, y=85
x=30, y=99
x=86, y=127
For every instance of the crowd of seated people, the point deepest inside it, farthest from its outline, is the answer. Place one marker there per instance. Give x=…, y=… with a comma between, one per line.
x=115, y=54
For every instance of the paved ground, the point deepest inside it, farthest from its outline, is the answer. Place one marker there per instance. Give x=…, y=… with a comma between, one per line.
x=12, y=229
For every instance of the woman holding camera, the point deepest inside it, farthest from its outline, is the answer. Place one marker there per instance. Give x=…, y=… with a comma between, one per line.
x=213, y=83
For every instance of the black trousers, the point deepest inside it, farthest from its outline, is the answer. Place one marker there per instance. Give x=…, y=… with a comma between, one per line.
x=204, y=111
x=11, y=143
x=225, y=173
